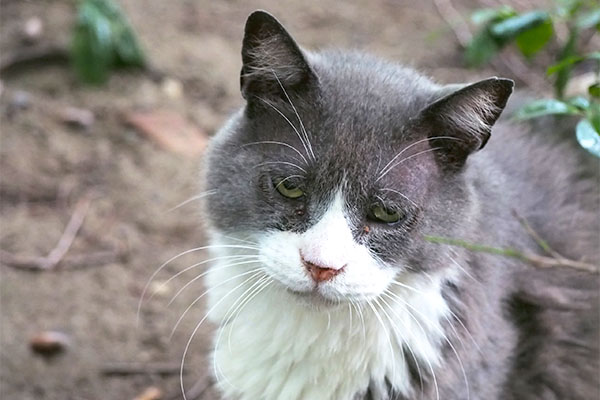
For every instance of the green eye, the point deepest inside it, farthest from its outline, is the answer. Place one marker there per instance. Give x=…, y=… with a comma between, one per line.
x=381, y=214
x=287, y=189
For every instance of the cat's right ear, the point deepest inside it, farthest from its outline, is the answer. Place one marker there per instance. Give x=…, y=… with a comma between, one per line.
x=271, y=59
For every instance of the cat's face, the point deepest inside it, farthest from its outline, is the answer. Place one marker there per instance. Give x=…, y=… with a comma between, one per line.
x=339, y=163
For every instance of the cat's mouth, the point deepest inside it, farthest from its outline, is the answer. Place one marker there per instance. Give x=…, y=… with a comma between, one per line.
x=314, y=297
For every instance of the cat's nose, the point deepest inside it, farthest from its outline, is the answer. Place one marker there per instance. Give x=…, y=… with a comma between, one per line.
x=321, y=273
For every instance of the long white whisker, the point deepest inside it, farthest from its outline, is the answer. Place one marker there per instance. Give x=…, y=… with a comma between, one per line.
x=194, y=279
x=229, y=314
x=259, y=269
x=147, y=285
x=237, y=257
x=414, y=357
x=297, y=115
x=194, y=198
x=281, y=144
x=400, y=194
x=387, y=335
x=406, y=159
x=281, y=162
x=412, y=145
x=289, y=122
x=187, y=345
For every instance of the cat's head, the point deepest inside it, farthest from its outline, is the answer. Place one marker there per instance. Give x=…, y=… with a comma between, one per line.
x=339, y=163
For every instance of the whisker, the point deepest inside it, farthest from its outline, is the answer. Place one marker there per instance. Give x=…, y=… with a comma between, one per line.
x=253, y=271
x=297, y=115
x=236, y=257
x=194, y=198
x=437, y=392
x=281, y=144
x=197, y=277
x=412, y=145
x=400, y=194
x=288, y=177
x=288, y=121
x=406, y=159
x=281, y=162
x=385, y=331
x=406, y=342
x=229, y=314
x=187, y=346
x=147, y=285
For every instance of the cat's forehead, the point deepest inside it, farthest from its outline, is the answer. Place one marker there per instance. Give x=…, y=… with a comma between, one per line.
x=354, y=86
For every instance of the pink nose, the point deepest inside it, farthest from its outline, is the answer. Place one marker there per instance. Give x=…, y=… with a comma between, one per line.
x=320, y=273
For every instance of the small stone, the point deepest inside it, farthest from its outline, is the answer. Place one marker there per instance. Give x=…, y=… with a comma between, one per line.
x=77, y=117
x=21, y=100
x=33, y=29
x=172, y=88
x=49, y=343
x=151, y=393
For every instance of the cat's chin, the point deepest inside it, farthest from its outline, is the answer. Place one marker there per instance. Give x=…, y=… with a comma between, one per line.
x=318, y=299
x=314, y=299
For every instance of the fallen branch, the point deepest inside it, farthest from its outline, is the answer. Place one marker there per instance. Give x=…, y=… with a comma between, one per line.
x=120, y=368
x=534, y=259
x=62, y=247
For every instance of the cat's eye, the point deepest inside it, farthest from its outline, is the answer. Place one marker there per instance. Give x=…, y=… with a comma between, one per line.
x=288, y=189
x=380, y=213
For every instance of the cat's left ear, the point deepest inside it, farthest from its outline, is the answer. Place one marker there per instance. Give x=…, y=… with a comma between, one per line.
x=271, y=58
x=464, y=118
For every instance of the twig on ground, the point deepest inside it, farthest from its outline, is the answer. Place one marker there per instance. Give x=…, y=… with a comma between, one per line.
x=120, y=368
x=33, y=263
x=62, y=247
x=533, y=259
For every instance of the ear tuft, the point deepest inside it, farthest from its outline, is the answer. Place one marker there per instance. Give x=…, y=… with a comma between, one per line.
x=270, y=57
x=467, y=117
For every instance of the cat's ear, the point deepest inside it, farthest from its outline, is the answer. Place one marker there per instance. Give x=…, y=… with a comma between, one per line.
x=271, y=58
x=463, y=118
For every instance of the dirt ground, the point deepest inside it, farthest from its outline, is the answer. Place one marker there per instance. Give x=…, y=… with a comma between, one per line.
x=47, y=167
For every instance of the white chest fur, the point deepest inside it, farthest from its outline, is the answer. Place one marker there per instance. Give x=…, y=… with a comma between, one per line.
x=280, y=348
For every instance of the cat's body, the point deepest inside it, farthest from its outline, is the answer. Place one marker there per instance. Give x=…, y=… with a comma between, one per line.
x=376, y=158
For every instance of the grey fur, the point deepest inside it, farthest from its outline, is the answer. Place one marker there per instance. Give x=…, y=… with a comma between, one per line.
x=537, y=329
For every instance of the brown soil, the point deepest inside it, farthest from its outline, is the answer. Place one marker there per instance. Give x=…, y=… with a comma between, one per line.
x=47, y=166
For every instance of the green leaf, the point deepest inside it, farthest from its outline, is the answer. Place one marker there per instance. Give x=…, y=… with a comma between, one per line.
x=588, y=137
x=485, y=15
x=543, y=107
x=511, y=27
x=481, y=49
x=91, y=51
x=102, y=39
x=563, y=64
x=564, y=73
x=589, y=19
x=594, y=90
x=580, y=102
x=533, y=40
x=572, y=60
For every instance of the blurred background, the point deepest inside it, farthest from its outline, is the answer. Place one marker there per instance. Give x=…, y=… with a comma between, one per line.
x=106, y=108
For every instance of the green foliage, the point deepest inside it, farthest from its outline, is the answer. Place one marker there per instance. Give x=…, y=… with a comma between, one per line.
x=102, y=40
x=531, y=32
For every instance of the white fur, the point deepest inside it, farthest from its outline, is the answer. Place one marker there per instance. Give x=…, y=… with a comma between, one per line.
x=284, y=346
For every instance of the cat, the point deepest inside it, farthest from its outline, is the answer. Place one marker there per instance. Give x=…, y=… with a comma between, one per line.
x=324, y=188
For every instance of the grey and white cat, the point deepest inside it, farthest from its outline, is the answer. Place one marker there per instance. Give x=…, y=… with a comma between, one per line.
x=325, y=184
